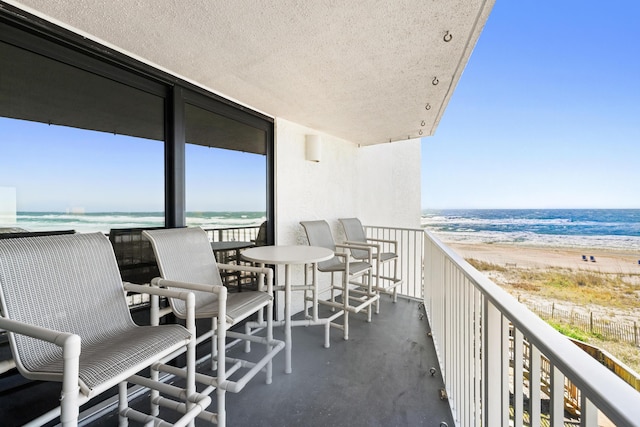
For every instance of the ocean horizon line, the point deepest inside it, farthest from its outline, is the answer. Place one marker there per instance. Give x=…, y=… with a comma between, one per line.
x=107, y=220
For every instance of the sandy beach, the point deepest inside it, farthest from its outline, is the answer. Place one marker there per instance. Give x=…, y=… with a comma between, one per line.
x=539, y=257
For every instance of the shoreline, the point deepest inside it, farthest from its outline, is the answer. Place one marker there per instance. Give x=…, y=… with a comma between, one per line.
x=609, y=261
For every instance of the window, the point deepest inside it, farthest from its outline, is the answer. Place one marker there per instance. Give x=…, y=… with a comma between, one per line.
x=92, y=139
x=79, y=150
x=225, y=171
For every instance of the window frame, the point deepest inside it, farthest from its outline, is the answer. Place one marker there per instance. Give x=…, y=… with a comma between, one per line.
x=37, y=35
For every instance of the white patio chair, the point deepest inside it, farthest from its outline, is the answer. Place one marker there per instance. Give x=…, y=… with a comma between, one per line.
x=355, y=284
x=186, y=261
x=383, y=284
x=64, y=306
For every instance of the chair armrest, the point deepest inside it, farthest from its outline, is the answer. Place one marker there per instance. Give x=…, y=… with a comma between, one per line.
x=215, y=289
x=363, y=245
x=345, y=255
x=358, y=245
x=391, y=242
x=268, y=272
x=61, y=339
x=251, y=269
x=71, y=347
x=188, y=297
x=159, y=285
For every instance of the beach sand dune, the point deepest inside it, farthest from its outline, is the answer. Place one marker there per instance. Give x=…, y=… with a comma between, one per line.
x=520, y=257
x=537, y=257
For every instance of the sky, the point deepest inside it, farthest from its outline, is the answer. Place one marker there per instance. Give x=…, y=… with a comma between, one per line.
x=546, y=113
x=64, y=168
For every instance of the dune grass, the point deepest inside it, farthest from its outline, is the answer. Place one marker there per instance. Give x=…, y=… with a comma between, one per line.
x=578, y=287
x=611, y=292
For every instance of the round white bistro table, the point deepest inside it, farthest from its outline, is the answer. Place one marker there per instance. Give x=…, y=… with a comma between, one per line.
x=287, y=256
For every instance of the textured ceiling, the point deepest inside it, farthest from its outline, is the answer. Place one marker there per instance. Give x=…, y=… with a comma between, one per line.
x=359, y=70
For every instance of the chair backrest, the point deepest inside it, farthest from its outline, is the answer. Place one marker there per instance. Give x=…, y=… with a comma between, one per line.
x=67, y=282
x=261, y=238
x=14, y=233
x=354, y=231
x=185, y=254
x=319, y=234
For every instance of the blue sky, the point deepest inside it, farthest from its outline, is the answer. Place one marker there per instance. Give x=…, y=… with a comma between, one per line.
x=63, y=168
x=546, y=114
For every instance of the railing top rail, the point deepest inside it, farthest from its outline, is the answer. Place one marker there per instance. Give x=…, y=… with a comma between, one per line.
x=239, y=227
x=608, y=392
x=419, y=230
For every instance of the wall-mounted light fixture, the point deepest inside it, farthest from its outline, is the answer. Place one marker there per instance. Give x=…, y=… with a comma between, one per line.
x=313, y=147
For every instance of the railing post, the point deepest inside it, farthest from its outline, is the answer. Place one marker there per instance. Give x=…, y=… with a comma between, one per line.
x=492, y=365
x=535, y=370
x=556, y=407
x=588, y=412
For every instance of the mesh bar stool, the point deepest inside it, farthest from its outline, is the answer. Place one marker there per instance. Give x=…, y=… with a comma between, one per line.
x=186, y=261
x=355, y=285
x=64, y=306
x=383, y=283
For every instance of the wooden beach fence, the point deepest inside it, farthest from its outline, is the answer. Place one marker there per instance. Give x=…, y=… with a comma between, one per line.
x=619, y=331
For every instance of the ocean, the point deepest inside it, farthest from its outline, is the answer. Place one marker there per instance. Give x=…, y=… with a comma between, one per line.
x=589, y=228
x=104, y=221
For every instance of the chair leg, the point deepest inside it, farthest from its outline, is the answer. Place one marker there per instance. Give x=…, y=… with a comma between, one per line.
x=269, y=341
x=247, y=331
x=123, y=404
x=395, y=279
x=69, y=410
x=214, y=345
x=154, y=408
x=327, y=334
x=369, y=280
x=378, y=285
x=221, y=370
x=345, y=304
x=305, y=297
x=346, y=325
x=333, y=295
x=222, y=412
x=190, y=386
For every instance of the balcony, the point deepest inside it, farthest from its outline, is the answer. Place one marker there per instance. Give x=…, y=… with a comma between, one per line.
x=454, y=350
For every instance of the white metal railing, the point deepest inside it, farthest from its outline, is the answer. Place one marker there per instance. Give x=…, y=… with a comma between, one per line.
x=500, y=361
x=244, y=234
x=410, y=254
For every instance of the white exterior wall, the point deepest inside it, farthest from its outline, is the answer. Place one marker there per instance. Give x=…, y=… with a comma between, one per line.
x=379, y=184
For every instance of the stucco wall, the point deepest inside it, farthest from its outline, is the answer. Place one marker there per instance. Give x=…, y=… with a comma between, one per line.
x=379, y=184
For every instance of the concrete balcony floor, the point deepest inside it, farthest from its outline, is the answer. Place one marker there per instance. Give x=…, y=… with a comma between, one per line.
x=379, y=377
